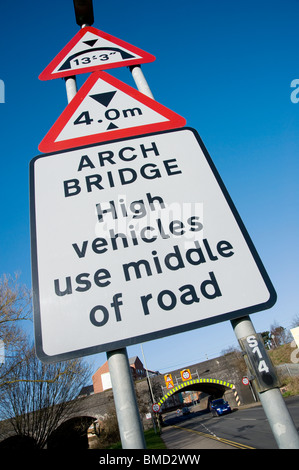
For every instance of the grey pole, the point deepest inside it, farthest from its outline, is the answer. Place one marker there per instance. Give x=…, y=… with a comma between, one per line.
x=128, y=417
x=280, y=421
x=71, y=87
x=140, y=81
x=70, y=82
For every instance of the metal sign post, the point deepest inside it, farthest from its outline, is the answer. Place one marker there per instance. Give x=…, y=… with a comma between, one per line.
x=130, y=427
x=140, y=81
x=266, y=382
x=129, y=422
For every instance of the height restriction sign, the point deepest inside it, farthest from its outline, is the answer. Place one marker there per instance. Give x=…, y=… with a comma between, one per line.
x=104, y=109
x=93, y=50
x=186, y=374
x=133, y=240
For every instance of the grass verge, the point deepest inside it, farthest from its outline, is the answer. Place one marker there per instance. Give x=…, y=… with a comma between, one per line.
x=152, y=440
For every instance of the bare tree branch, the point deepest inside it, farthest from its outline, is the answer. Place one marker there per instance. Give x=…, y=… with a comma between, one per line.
x=43, y=396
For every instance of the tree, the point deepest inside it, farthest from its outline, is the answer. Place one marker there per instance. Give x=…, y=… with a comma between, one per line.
x=42, y=395
x=105, y=431
x=295, y=321
x=15, y=307
x=34, y=396
x=279, y=335
x=266, y=335
x=15, y=301
x=235, y=357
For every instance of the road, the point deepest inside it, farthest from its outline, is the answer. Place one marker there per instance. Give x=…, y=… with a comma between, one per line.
x=246, y=428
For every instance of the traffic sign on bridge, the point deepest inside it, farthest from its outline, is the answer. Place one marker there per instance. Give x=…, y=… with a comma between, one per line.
x=133, y=240
x=168, y=381
x=186, y=374
x=93, y=50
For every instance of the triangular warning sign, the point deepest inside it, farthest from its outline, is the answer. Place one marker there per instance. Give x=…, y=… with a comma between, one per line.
x=93, y=50
x=107, y=109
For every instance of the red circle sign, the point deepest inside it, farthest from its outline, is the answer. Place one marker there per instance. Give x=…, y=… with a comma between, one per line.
x=245, y=381
x=156, y=407
x=186, y=374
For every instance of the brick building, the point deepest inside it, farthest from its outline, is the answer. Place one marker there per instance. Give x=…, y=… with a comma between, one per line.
x=101, y=378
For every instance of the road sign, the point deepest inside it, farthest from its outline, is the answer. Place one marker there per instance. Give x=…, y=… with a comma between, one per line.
x=134, y=240
x=168, y=381
x=186, y=374
x=245, y=381
x=106, y=108
x=92, y=50
x=156, y=407
x=168, y=378
x=169, y=385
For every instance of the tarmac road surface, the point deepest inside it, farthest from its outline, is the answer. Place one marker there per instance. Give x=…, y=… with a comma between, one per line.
x=247, y=428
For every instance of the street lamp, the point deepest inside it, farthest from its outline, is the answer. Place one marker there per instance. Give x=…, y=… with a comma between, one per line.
x=84, y=12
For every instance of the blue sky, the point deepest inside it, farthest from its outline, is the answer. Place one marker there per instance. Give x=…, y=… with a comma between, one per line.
x=227, y=67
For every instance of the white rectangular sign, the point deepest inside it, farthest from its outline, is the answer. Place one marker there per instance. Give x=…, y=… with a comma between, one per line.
x=134, y=240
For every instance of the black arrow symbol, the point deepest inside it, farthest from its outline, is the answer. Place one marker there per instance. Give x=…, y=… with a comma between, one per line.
x=104, y=98
x=112, y=126
x=91, y=42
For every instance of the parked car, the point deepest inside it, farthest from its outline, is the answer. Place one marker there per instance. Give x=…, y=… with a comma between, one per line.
x=185, y=410
x=219, y=407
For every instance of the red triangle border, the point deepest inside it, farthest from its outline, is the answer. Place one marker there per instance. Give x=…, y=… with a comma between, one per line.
x=47, y=74
x=48, y=143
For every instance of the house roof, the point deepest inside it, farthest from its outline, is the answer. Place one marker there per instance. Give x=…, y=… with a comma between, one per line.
x=133, y=359
x=87, y=390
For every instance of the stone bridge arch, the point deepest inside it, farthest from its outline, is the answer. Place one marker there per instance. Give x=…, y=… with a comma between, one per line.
x=71, y=434
x=213, y=387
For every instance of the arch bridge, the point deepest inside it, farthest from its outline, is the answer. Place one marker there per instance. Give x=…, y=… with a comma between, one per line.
x=213, y=387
